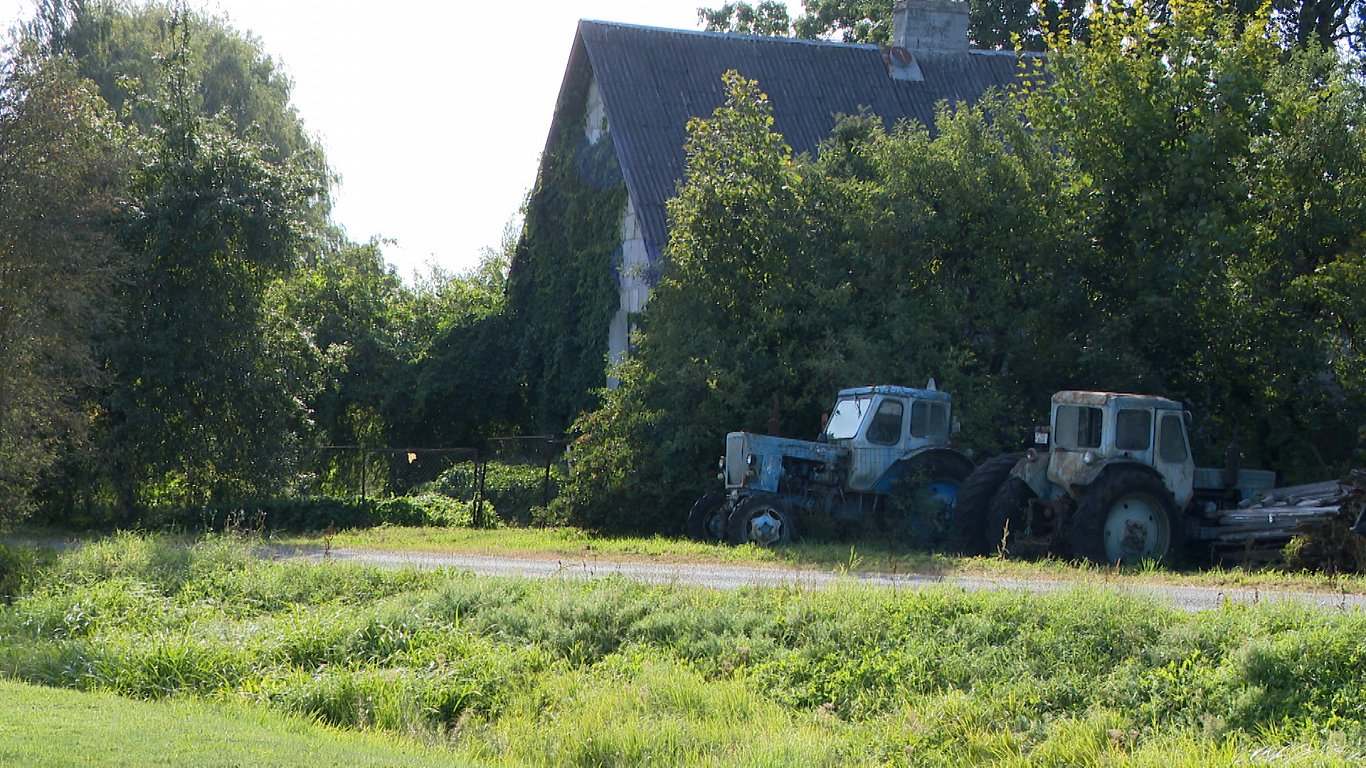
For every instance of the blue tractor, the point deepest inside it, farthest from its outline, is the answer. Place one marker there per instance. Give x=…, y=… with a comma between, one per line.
x=885, y=450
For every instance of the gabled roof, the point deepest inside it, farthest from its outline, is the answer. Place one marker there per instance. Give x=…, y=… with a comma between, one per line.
x=653, y=80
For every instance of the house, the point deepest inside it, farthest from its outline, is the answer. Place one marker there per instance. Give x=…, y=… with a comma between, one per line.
x=638, y=87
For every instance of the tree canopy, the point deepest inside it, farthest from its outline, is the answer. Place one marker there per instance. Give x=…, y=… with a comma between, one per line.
x=1027, y=24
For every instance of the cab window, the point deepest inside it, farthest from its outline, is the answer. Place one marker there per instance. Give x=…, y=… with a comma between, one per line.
x=929, y=419
x=846, y=418
x=1078, y=426
x=885, y=428
x=1172, y=446
x=1133, y=430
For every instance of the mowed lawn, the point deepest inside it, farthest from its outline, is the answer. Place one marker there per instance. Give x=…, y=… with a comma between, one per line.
x=44, y=726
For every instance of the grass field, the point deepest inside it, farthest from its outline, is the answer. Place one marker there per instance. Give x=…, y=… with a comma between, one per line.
x=507, y=672
x=46, y=726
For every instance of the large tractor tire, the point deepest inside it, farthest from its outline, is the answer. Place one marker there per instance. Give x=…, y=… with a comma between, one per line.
x=968, y=534
x=708, y=517
x=1126, y=517
x=1008, y=520
x=765, y=521
x=924, y=500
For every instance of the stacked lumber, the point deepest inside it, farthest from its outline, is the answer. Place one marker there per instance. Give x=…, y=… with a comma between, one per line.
x=1330, y=542
x=1303, y=526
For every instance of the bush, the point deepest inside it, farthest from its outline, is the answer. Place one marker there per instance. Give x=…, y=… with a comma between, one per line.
x=517, y=491
x=17, y=567
x=320, y=513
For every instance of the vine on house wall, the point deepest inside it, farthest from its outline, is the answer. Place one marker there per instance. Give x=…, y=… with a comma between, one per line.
x=562, y=285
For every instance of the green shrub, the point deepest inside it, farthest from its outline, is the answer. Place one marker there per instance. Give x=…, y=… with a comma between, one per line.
x=321, y=513
x=516, y=491
x=17, y=566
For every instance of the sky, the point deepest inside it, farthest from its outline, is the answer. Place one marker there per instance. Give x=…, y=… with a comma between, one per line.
x=434, y=113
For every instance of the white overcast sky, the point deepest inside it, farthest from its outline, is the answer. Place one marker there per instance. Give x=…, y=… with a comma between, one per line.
x=434, y=113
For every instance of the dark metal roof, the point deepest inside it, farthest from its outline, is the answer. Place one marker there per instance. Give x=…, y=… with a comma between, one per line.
x=653, y=80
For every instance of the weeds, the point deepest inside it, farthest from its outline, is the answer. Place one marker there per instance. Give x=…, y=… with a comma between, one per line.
x=564, y=672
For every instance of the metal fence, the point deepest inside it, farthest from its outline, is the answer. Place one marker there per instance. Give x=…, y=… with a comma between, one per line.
x=369, y=472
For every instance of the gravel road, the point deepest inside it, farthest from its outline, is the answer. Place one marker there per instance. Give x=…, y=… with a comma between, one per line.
x=736, y=577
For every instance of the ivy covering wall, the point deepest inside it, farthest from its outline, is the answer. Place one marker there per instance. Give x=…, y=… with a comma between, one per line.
x=562, y=285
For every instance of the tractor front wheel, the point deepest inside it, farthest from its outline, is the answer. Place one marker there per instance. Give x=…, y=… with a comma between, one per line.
x=762, y=520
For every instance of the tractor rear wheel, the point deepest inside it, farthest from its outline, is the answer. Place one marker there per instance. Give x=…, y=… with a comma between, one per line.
x=924, y=500
x=1008, y=519
x=762, y=520
x=708, y=517
x=1127, y=516
x=969, y=533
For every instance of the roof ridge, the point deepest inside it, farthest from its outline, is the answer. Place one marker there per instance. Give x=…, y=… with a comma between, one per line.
x=731, y=35
x=778, y=38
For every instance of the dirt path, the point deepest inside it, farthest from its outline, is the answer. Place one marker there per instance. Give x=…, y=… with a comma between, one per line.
x=736, y=577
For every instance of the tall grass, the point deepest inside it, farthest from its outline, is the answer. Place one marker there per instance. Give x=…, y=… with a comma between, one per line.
x=610, y=672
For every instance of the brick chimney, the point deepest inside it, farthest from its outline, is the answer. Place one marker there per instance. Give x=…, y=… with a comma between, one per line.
x=924, y=30
x=930, y=27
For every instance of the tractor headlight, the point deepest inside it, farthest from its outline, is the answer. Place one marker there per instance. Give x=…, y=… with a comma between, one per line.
x=1088, y=458
x=751, y=460
x=1031, y=455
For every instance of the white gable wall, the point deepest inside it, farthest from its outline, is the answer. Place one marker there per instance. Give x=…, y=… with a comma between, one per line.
x=633, y=274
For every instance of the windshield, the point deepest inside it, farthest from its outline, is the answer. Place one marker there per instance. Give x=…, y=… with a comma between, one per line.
x=846, y=417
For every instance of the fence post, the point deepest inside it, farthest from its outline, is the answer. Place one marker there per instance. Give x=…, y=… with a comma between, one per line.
x=548, y=453
x=480, y=468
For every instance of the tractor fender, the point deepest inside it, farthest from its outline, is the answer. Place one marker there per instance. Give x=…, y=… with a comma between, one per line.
x=935, y=461
x=1095, y=472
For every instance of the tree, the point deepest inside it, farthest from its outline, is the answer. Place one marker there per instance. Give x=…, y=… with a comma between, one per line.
x=991, y=23
x=768, y=18
x=462, y=387
x=118, y=47
x=202, y=405
x=62, y=172
x=1217, y=179
x=1026, y=24
x=351, y=307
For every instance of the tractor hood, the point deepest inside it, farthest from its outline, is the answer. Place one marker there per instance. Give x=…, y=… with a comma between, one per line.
x=755, y=461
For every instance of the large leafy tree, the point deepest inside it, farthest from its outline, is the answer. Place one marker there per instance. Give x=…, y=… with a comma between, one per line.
x=351, y=306
x=203, y=405
x=119, y=46
x=461, y=386
x=62, y=172
x=1219, y=185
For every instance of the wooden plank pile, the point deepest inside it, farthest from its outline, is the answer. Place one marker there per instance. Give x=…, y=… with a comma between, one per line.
x=1307, y=527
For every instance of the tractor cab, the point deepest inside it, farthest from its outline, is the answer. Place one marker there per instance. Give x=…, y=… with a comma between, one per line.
x=880, y=425
x=1090, y=431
